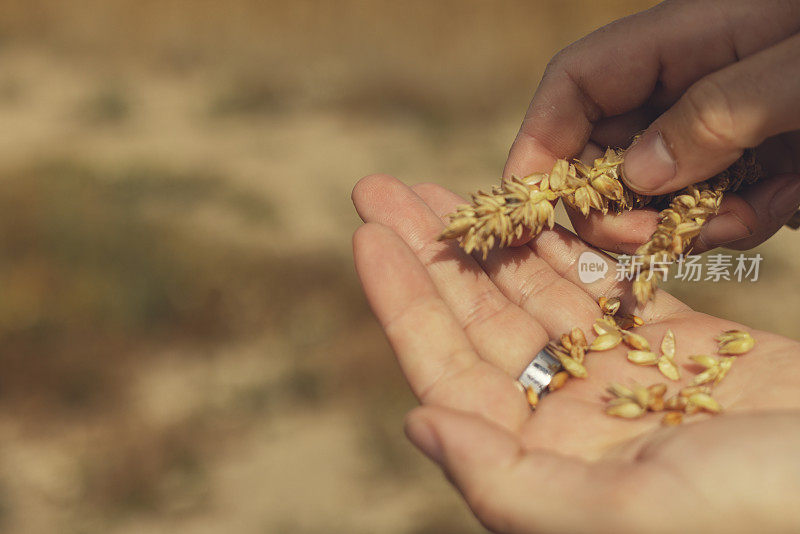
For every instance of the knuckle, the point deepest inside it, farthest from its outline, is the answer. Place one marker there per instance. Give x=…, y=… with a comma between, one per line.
x=559, y=61
x=361, y=233
x=534, y=286
x=711, y=118
x=485, y=307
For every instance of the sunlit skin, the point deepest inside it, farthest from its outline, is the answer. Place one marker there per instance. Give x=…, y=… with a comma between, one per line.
x=463, y=329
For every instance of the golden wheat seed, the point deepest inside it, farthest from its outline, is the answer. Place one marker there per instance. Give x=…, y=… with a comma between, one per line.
x=577, y=337
x=656, y=397
x=705, y=360
x=635, y=341
x=668, y=368
x=574, y=368
x=730, y=335
x=642, y=357
x=672, y=419
x=609, y=306
x=626, y=410
x=668, y=344
x=709, y=375
x=605, y=325
x=641, y=395
x=577, y=353
x=558, y=380
x=556, y=350
x=688, y=391
x=571, y=366
x=691, y=409
x=532, y=397
x=606, y=341
x=620, y=391
x=675, y=402
x=620, y=400
x=656, y=403
x=735, y=342
x=608, y=186
x=566, y=342
x=725, y=365
x=705, y=402
x=716, y=368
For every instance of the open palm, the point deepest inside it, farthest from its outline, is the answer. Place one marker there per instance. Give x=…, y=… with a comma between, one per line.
x=463, y=329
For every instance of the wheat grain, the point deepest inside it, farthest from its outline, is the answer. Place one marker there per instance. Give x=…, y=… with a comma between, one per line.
x=672, y=419
x=570, y=364
x=577, y=337
x=715, y=368
x=558, y=381
x=735, y=342
x=626, y=409
x=668, y=368
x=635, y=341
x=605, y=325
x=609, y=306
x=532, y=397
x=666, y=363
x=704, y=401
x=688, y=391
x=676, y=402
x=642, y=357
x=635, y=401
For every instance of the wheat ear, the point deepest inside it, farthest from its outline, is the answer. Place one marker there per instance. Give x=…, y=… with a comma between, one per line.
x=520, y=205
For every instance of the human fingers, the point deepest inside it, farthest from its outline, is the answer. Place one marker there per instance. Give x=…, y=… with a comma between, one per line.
x=517, y=489
x=751, y=216
x=649, y=58
x=550, y=274
x=501, y=332
x=621, y=233
x=719, y=116
x=438, y=360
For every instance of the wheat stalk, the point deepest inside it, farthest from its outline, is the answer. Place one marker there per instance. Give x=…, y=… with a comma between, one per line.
x=520, y=205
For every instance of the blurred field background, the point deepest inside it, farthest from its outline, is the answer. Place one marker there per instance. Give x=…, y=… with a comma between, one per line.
x=184, y=347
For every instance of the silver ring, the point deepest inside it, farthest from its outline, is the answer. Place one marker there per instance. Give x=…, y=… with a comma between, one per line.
x=539, y=372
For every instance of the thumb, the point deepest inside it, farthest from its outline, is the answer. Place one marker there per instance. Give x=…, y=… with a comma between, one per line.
x=716, y=119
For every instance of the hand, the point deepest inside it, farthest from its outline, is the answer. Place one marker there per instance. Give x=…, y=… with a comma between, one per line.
x=717, y=76
x=463, y=330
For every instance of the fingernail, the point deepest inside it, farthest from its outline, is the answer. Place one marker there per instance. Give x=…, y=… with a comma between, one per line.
x=649, y=163
x=723, y=229
x=421, y=434
x=785, y=201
